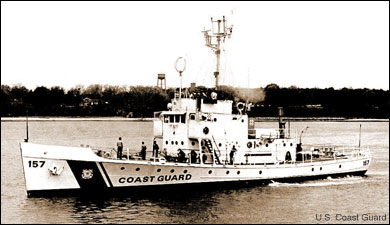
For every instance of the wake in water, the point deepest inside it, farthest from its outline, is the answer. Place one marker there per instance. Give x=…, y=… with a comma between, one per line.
x=329, y=181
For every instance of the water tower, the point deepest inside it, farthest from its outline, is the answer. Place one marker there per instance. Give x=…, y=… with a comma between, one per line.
x=161, y=80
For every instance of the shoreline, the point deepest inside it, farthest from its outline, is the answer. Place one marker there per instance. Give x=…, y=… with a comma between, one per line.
x=257, y=119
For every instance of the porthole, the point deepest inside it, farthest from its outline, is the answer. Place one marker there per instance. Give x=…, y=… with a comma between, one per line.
x=158, y=170
x=260, y=172
x=291, y=144
x=312, y=169
x=185, y=171
x=182, y=142
x=320, y=168
x=220, y=144
x=176, y=142
x=122, y=168
x=266, y=145
x=210, y=172
x=137, y=169
x=172, y=142
x=227, y=172
x=238, y=172
x=192, y=117
x=172, y=170
x=339, y=166
x=215, y=119
x=193, y=143
x=242, y=120
x=166, y=142
x=284, y=144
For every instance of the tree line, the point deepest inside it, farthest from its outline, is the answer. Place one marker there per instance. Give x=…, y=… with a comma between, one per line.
x=143, y=101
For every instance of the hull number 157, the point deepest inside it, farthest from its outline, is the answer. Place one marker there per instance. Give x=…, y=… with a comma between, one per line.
x=36, y=163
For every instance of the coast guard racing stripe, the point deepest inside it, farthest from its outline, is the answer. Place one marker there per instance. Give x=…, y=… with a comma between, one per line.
x=87, y=174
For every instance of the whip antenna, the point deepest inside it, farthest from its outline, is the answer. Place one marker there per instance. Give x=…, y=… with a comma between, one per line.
x=26, y=140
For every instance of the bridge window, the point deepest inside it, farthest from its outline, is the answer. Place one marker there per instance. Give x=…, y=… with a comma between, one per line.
x=178, y=118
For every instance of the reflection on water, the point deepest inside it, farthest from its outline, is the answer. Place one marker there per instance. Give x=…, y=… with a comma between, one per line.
x=272, y=203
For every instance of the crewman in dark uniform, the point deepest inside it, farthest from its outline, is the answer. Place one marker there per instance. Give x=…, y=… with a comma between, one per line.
x=181, y=156
x=143, y=151
x=193, y=156
x=232, y=152
x=155, y=149
x=119, y=144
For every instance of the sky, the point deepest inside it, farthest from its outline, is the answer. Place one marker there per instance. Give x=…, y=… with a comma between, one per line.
x=302, y=44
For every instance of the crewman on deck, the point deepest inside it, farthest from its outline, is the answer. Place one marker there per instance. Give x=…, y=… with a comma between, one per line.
x=232, y=152
x=119, y=144
x=181, y=155
x=193, y=156
x=143, y=151
x=155, y=149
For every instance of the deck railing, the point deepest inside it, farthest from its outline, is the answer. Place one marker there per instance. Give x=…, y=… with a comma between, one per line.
x=310, y=154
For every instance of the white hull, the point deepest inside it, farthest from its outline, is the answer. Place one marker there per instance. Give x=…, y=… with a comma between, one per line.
x=85, y=170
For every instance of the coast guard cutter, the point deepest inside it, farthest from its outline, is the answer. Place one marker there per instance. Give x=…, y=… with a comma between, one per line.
x=218, y=147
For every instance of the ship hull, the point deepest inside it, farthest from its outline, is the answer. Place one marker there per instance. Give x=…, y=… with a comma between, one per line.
x=170, y=190
x=58, y=170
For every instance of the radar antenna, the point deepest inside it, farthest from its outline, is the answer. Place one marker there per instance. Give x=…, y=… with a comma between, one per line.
x=213, y=39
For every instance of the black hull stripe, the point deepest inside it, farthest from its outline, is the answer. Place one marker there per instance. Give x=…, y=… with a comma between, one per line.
x=87, y=174
x=105, y=174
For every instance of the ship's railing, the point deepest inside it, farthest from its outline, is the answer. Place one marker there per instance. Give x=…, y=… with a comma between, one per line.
x=339, y=152
x=111, y=153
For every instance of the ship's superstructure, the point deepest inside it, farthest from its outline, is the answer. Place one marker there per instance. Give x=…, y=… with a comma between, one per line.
x=202, y=141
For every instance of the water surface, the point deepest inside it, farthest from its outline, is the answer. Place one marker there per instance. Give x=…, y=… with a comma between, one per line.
x=273, y=203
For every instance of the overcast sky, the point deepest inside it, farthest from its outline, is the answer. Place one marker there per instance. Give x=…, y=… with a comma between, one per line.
x=306, y=44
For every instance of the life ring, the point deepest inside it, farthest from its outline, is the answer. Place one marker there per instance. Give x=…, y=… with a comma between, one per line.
x=240, y=107
x=249, y=145
x=206, y=130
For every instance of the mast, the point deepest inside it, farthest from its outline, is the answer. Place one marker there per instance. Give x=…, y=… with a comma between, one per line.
x=213, y=40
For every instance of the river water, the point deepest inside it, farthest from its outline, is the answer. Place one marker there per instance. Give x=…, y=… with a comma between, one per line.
x=333, y=200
